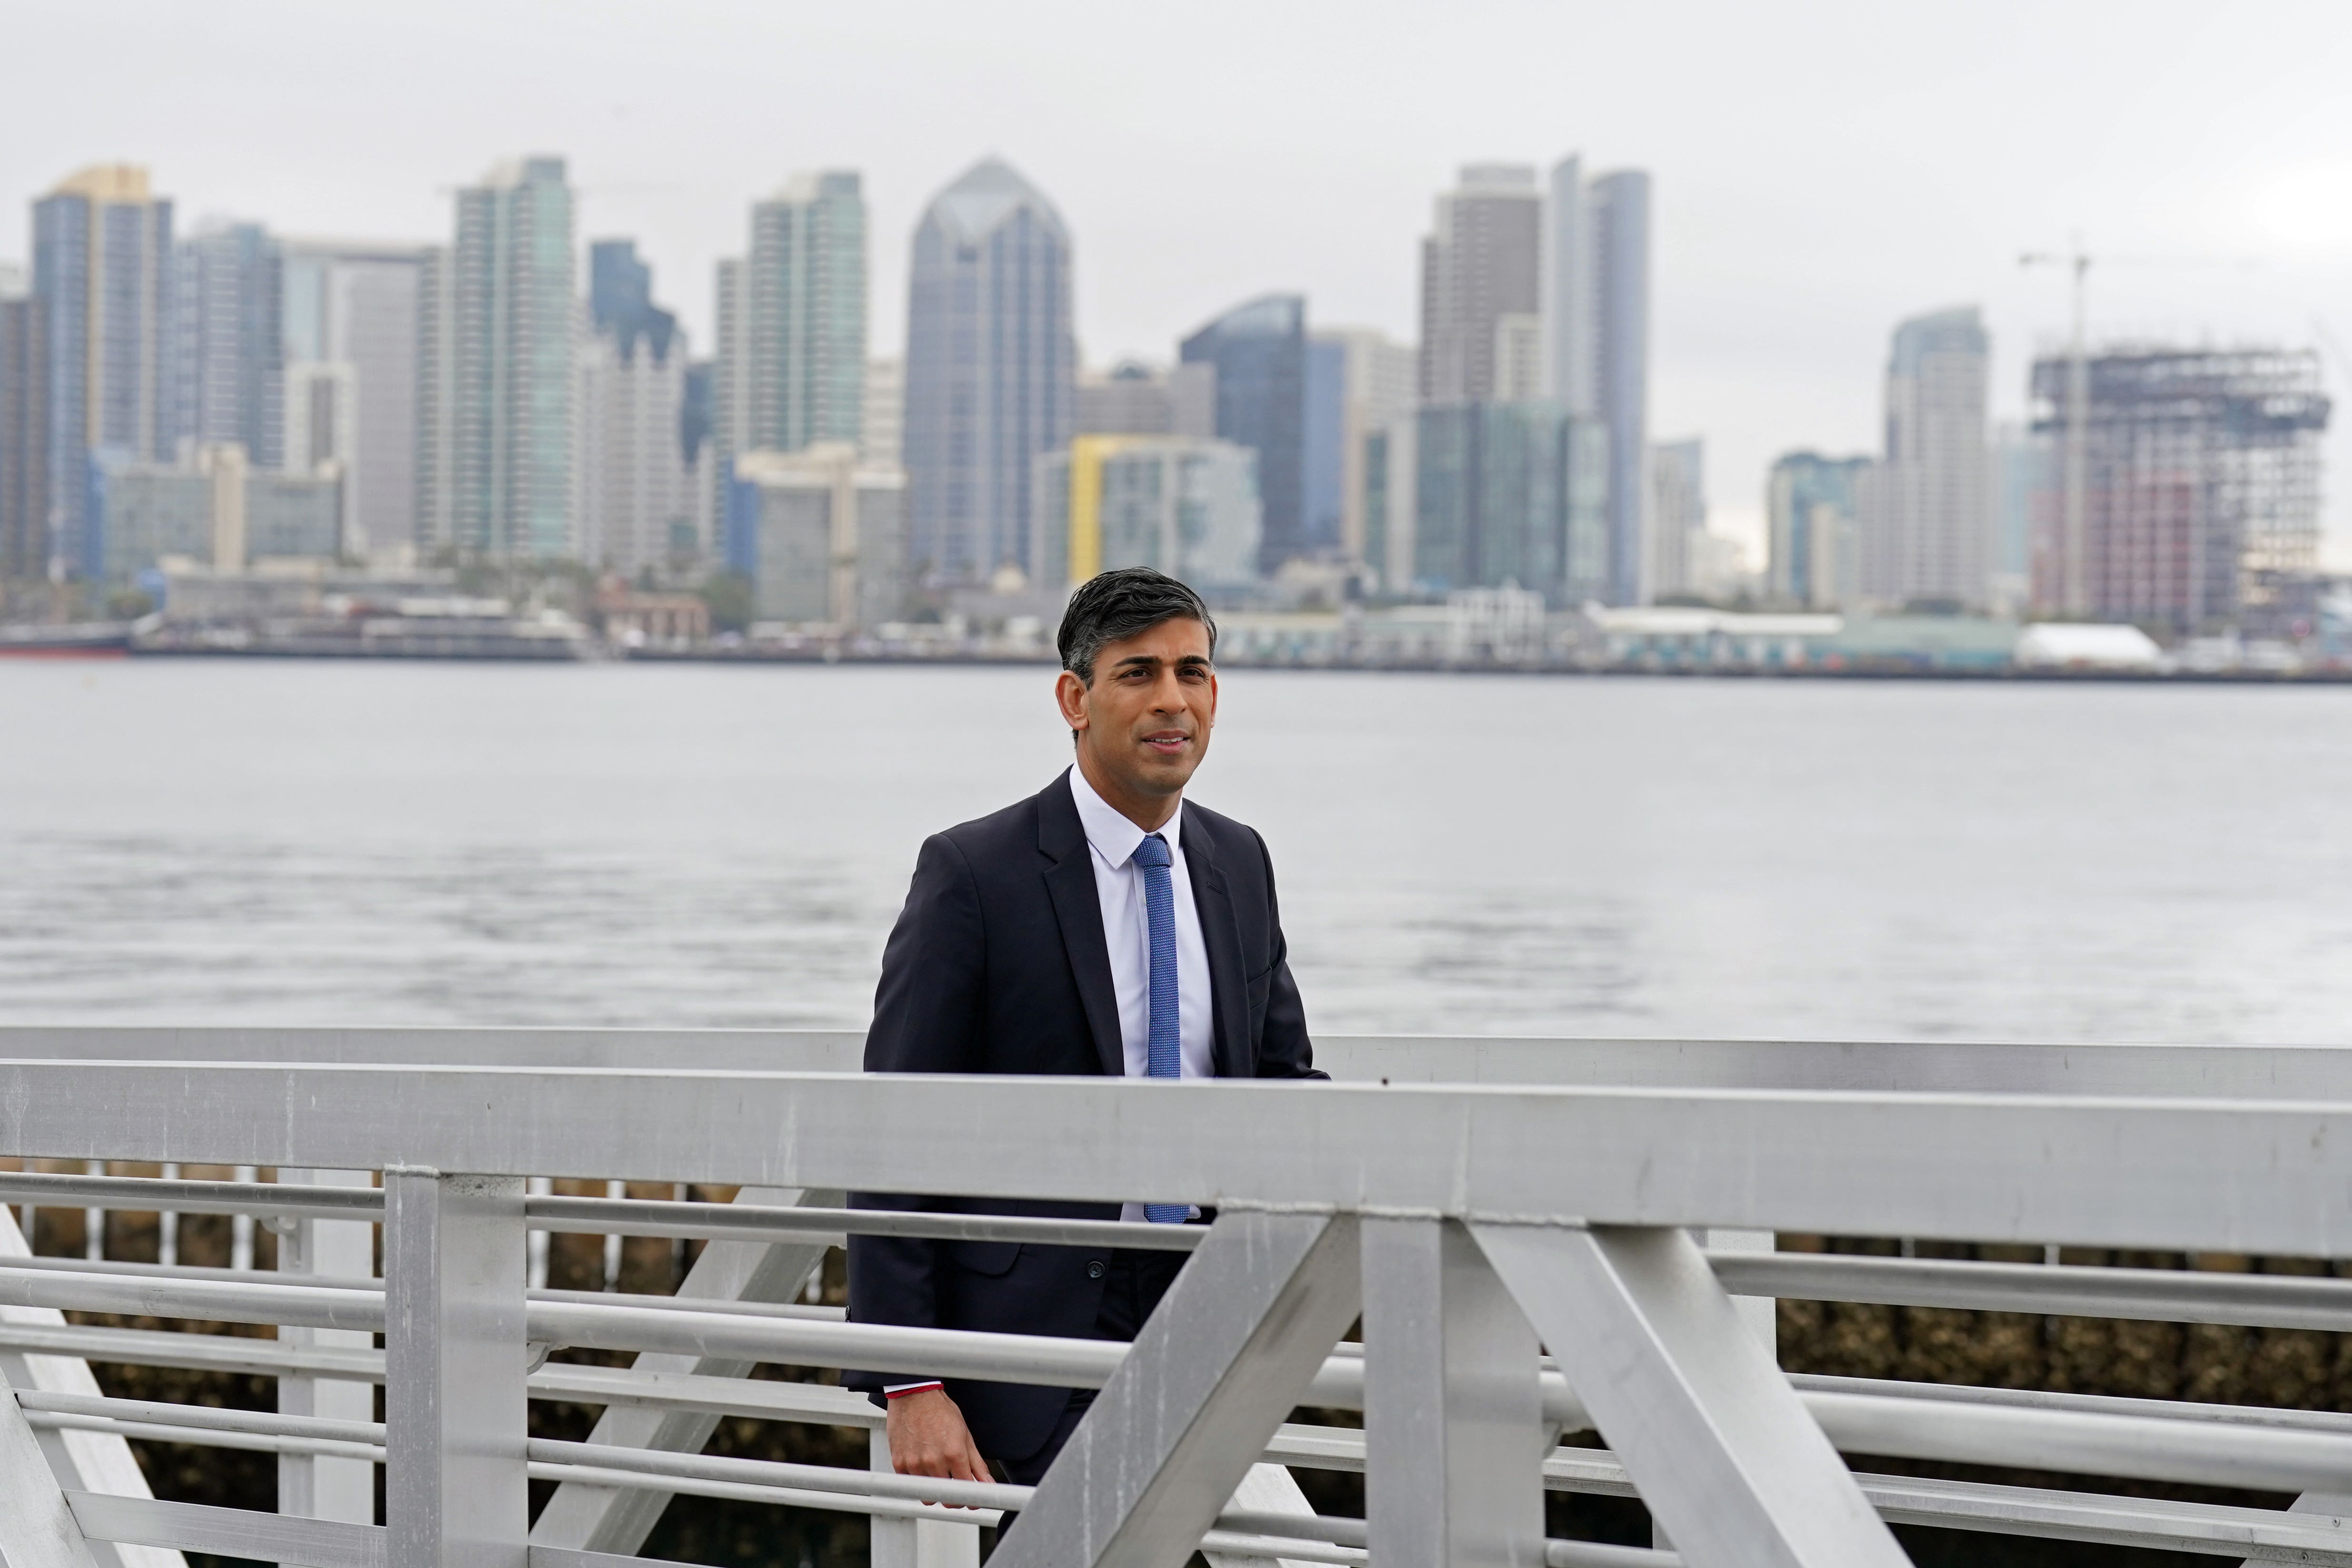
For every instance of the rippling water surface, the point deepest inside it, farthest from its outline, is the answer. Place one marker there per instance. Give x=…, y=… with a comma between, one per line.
x=254, y=841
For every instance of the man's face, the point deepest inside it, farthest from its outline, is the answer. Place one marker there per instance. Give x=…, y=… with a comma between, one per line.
x=1144, y=722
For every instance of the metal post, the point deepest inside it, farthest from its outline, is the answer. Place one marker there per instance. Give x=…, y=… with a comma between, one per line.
x=915, y=1542
x=318, y=1485
x=455, y=1492
x=613, y=1189
x=539, y=1187
x=93, y=1221
x=1453, y=1427
x=167, y=1225
x=240, y=1226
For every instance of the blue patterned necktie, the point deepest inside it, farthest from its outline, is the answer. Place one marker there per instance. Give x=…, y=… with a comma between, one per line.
x=1165, y=1056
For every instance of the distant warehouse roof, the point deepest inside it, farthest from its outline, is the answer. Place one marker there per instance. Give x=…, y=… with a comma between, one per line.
x=2063, y=646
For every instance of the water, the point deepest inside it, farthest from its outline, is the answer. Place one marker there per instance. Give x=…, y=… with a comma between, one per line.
x=266, y=842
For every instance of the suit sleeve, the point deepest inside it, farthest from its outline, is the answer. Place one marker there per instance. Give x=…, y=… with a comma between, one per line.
x=926, y=1018
x=1283, y=1049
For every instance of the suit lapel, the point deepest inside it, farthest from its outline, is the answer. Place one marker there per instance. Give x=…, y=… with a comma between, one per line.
x=1070, y=882
x=1221, y=934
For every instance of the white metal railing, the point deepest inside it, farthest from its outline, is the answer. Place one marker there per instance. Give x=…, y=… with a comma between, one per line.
x=1477, y=1203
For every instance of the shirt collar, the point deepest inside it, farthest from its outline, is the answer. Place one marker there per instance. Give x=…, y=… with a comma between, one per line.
x=1112, y=836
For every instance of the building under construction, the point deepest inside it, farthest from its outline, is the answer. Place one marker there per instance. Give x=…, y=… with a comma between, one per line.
x=2197, y=506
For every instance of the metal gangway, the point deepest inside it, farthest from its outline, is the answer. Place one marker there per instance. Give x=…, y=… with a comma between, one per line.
x=1540, y=1240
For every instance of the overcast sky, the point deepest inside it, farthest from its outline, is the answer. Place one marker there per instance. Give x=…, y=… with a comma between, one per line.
x=1822, y=169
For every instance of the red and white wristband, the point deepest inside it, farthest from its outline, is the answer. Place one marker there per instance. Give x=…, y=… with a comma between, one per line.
x=896, y=1390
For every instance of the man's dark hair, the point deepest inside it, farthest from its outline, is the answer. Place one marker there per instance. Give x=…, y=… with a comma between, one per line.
x=1117, y=605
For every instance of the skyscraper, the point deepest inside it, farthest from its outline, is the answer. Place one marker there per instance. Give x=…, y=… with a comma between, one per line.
x=1480, y=286
x=1924, y=535
x=101, y=298
x=1812, y=506
x=621, y=295
x=790, y=366
x=1377, y=378
x=229, y=358
x=24, y=552
x=636, y=500
x=350, y=336
x=495, y=338
x=1677, y=516
x=991, y=367
x=1620, y=225
x=1259, y=353
x=805, y=285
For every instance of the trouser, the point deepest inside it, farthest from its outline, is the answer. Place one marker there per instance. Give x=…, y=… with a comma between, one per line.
x=1131, y=1288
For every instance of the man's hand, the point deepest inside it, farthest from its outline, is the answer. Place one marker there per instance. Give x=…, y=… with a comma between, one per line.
x=928, y=1438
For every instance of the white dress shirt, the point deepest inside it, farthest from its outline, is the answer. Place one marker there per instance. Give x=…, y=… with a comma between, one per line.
x=1111, y=840
x=1127, y=933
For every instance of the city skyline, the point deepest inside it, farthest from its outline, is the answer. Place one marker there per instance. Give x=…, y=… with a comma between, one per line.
x=1784, y=251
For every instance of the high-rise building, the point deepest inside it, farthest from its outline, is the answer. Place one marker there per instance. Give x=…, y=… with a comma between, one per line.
x=1391, y=502
x=1377, y=378
x=621, y=296
x=1812, y=507
x=2021, y=472
x=2200, y=487
x=991, y=367
x=101, y=296
x=496, y=334
x=1178, y=504
x=882, y=425
x=821, y=535
x=1620, y=225
x=1132, y=398
x=637, y=491
x=1259, y=355
x=1677, y=516
x=1595, y=347
x=350, y=336
x=1510, y=494
x=229, y=326
x=792, y=342
x=1925, y=533
x=24, y=551
x=1481, y=287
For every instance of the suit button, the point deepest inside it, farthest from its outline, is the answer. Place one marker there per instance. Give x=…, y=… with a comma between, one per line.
x=1095, y=1270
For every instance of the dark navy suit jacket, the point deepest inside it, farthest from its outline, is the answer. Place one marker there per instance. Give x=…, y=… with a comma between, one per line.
x=997, y=965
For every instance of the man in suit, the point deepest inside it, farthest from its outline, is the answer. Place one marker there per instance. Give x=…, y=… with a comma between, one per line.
x=1104, y=925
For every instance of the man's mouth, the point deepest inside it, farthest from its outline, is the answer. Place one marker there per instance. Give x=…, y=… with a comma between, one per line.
x=1167, y=740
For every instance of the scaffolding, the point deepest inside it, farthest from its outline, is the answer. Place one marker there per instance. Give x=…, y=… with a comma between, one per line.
x=2200, y=509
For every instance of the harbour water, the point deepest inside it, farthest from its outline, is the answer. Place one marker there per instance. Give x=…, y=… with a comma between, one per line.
x=198, y=841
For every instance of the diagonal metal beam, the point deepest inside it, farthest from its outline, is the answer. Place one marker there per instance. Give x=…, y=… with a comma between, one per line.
x=1230, y=1350
x=1729, y=1463
x=615, y=1519
x=37, y=1526
x=82, y=1461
